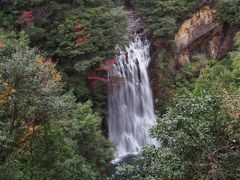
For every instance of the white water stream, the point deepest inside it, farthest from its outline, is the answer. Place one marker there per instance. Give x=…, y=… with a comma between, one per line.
x=130, y=103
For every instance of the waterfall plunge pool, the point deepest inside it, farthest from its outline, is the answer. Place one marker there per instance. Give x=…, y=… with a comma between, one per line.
x=128, y=159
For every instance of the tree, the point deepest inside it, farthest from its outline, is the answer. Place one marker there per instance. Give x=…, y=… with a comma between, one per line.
x=85, y=129
x=163, y=17
x=228, y=11
x=201, y=142
x=35, y=85
x=35, y=141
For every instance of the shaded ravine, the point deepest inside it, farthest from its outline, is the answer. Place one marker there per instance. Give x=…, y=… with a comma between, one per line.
x=130, y=103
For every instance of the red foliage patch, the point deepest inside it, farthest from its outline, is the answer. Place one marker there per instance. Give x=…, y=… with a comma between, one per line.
x=83, y=39
x=103, y=75
x=97, y=78
x=110, y=62
x=108, y=65
x=109, y=68
x=26, y=18
x=79, y=30
x=78, y=27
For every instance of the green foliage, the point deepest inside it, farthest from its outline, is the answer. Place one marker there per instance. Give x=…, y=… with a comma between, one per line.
x=51, y=156
x=44, y=134
x=34, y=82
x=166, y=27
x=82, y=66
x=35, y=34
x=222, y=74
x=163, y=17
x=54, y=23
x=85, y=129
x=100, y=23
x=53, y=31
x=163, y=82
x=228, y=11
x=190, y=71
x=202, y=143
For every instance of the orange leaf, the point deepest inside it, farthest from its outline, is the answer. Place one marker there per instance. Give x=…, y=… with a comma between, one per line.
x=2, y=45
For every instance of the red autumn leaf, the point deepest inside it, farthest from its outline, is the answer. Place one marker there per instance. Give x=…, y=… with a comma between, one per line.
x=97, y=78
x=78, y=31
x=78, y=27
x=26, y=18
x=103, y=75
x=88, y=36
x=81, y=40
x=108, y=68
x=110, y=62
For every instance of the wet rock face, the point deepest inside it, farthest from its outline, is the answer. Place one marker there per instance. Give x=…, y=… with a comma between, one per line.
x=201, y=33
x=156, y=45
x=135, y=24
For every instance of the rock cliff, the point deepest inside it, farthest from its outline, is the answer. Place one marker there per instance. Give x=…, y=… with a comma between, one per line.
x=199, y=33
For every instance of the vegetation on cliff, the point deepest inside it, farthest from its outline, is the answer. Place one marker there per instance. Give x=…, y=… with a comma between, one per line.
x=162, y=17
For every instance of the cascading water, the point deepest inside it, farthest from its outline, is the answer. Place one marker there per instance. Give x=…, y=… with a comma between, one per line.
x=130, y=103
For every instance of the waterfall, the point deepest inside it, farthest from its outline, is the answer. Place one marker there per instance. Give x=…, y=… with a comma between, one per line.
x=130, y=102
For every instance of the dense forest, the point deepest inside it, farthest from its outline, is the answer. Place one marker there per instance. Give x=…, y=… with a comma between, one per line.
x=54, y=60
